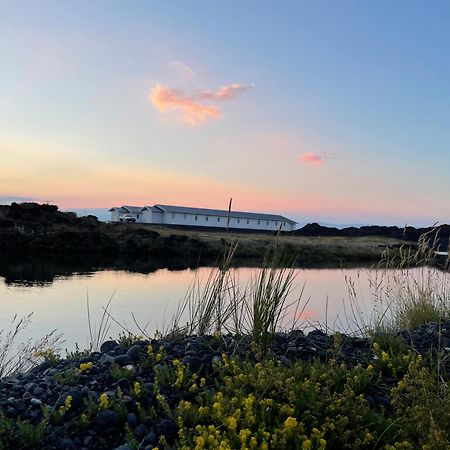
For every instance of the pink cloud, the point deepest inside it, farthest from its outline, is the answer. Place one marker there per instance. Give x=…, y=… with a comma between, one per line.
x=192, y=108
x=192, y=112
x=311, y=158
x=225, y=92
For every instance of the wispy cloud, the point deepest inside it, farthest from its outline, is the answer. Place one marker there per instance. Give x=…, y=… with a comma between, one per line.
x=192, y=108
x=185, y=70
x=312, y=158
x=225, y=92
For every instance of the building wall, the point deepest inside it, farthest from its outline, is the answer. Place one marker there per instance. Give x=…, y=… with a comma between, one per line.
x=115, y=216
x=212, y=221
x=202, y=220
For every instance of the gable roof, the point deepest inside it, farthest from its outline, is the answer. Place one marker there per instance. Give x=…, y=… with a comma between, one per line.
x=223, y=213
x=126, y=209
x=152, y=208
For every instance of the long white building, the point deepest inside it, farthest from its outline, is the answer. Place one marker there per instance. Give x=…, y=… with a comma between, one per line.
x=202, y=217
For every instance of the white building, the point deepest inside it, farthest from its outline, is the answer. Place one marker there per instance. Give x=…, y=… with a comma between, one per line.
x=133, y=211
x=201, y=217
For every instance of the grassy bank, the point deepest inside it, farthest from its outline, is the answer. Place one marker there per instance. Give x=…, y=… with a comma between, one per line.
x=30, y=231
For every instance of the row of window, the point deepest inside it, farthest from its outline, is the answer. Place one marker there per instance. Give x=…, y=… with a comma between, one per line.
x=218, y=220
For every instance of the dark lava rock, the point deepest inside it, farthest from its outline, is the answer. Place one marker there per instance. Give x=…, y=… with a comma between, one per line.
x=108, y=346
x=194, y=362
x=151, y=439
x=67, y=444
x=123, y=360
x=168, y=429
x=132, y=420
x=135, y=352
x=106, y=419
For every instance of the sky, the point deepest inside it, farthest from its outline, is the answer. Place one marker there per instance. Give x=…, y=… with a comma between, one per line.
x=327, y=111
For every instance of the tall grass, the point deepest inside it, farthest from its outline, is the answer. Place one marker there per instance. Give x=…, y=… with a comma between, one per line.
x=222, y=304
x=19, y=356
x=407, y=290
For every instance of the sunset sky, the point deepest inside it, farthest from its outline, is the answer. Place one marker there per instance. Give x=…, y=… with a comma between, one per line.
x=331, y=111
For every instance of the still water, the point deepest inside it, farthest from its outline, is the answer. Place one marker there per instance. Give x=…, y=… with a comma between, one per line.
x=153, y=298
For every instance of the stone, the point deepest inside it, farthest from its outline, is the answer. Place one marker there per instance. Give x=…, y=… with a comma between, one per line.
x=106, y=359
x=135, y=352
x=151, y=438
x=168, y=429
x=108, y=346
x=106, y=419
x=132, y=420
x=123, y=360
x=36, y=402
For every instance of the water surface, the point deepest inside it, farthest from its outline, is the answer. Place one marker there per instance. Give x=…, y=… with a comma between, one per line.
x=154, y=297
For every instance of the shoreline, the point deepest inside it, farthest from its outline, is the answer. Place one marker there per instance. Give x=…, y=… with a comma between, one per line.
x=95, y=400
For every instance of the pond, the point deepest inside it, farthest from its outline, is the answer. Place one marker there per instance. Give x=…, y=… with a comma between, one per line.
x=339, y=299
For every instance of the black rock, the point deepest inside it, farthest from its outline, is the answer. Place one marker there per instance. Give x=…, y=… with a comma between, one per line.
x=67, y=444
x=108, y=346
x=123, y=360
x=132, y=420
x=106, y=419
x=168, y=429
x=194, y=362
x=140, y=431
x=123, y=383
x=20, y=407
x=151, y=439
x=135, y=352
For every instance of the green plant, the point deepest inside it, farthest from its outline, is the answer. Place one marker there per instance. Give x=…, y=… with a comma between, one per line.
x=98, y=334
x=21, y=356
x=117, y=372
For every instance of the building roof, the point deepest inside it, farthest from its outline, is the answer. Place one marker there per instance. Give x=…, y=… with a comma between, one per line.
x=152, y=208
x=222, y=213
x=127, y=209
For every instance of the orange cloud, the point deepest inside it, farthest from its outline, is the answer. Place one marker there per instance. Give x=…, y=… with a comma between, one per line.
x=311, y=158
x=192, y=108
x=192, y=112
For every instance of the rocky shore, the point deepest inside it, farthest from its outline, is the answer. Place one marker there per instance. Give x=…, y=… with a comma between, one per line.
x=127, y=391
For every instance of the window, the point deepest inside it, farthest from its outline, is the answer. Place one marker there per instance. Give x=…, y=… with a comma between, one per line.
x=259, y=222
x=207, y=218
x=276, y=223
x=267, y=223
x=138, y=216
x=239, y=220
x=248, y=221
x=218, y=219
x=195, y=217
x=184, y=216
x=173, y=215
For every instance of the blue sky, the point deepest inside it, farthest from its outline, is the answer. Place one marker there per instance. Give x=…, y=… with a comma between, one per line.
x=329, y=111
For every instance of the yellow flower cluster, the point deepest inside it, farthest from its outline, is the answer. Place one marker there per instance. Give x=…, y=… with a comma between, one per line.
x=84, y=367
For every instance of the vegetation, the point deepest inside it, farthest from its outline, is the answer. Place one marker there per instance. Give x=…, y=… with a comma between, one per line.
x=394, y=398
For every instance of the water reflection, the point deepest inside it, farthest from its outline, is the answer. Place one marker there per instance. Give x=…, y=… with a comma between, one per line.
x=153, y=298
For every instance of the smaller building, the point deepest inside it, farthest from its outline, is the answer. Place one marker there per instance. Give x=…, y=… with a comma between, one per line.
x=133, y=211
x=202, y=217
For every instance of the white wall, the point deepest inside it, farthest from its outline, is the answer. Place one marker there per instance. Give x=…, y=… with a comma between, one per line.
x=115, y=216
x=221, y=222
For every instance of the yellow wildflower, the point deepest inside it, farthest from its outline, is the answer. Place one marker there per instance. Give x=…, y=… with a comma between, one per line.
x=85, y=366
x=290, y=423
x=68, y=401
x=104, y=400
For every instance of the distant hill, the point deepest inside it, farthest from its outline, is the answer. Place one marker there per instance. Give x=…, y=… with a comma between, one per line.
x=441, y=233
